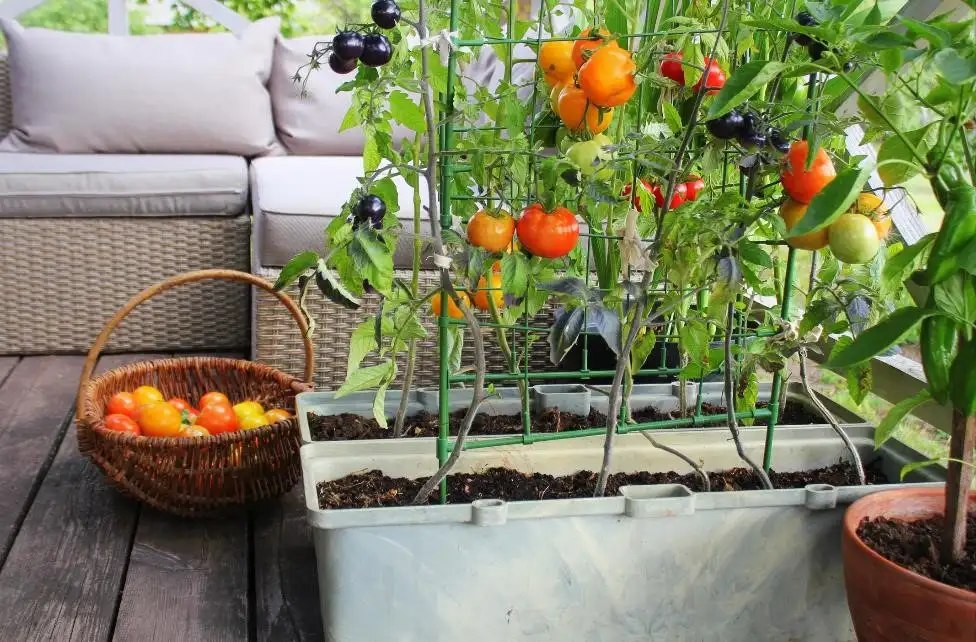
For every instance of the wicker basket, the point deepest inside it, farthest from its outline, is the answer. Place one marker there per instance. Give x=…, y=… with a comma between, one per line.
x=205, y=476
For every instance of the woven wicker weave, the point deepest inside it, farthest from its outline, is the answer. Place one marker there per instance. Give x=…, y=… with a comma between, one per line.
x=62, y=278
x=196, y=476
x=278, y=343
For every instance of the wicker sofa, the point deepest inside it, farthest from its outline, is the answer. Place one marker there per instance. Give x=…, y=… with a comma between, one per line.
x=75, y=245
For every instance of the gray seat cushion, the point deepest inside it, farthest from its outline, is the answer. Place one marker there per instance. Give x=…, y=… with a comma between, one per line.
x=53, y=185
x=294, y=199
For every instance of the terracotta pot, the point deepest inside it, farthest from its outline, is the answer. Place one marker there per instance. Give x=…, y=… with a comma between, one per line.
x=889, y=603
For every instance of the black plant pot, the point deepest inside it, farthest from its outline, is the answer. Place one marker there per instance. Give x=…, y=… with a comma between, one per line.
x=599, y=356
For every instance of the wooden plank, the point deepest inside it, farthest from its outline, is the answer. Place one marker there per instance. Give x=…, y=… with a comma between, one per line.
x=80, y=530
x=187, y=580
x=7, y=365
x=35, y=402
x=286, y=589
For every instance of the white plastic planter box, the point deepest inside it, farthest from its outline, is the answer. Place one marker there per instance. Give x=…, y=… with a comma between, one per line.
x=663, y=397
x=656, y=563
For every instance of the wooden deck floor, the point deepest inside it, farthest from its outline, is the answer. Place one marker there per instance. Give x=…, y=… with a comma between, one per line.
x=78, y=561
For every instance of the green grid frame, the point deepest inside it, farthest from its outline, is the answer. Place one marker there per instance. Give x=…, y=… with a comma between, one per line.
x=447, y=170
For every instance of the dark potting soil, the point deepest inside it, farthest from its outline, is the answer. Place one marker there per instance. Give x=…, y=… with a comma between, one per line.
x=347, y=426
x=915, y=546
x=373, y=488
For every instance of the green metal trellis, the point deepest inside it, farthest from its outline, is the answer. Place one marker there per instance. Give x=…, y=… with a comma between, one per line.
x=448, y=168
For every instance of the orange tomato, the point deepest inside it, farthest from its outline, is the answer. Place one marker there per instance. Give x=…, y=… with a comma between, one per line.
x=481, y=300
x=556, y=61
x=578, y=114
x=607, y=78
x=122, y=423
x=194, y=431
x=275, y=415
x=491, y=231
x=453, y=311
x=586, y=43
x=145, y=395
x=214, y=397
x=122, y=403
x=803, y=184
x=160, y=419
x=792, y=211
x=218, y=418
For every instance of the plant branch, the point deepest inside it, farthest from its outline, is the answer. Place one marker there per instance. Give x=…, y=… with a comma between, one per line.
x=653, y=251
x=855, y=457
x=730, y=401
x=706, y=483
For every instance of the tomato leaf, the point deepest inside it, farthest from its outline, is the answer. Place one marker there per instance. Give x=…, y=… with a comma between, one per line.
x=379, y=405
x=672, y=118
x=743, y=85
x=899, y=266
x=607, y=323
x=816, y=314
x=362, y=341
x=564, y=333
x=833, y=200
x=330, y=285
x=897, y=412
x=880, y=337
x=894, y=148
x=366, y=378
x=455, y=348
x=298, y=265
x=754, y=254
x=956, y=296
x=515, y=274
x=407, y=112
x=642, y=349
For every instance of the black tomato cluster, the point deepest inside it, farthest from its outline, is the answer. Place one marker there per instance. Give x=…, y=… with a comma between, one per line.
x=369, y=211
x=349, y=48
x=815, y=48
x=749, y=130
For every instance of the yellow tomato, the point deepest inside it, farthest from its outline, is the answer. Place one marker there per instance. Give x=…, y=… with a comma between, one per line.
x=253, y=421
x=145, y=395
x=160, y=419
x=275, y=415
x=247, y=408
x=792, y=211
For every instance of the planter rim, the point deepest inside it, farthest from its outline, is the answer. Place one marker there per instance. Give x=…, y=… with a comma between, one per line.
x=918, y=490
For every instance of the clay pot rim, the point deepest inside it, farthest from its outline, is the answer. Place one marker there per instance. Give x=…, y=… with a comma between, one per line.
x=850, y=531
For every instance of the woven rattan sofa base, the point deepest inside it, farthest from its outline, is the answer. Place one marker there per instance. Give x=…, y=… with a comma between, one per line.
x=61, y=279
x=278, y=344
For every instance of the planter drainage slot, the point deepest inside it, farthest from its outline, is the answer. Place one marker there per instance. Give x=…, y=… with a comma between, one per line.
x=665, y=500
x=489, y=512
x=820, y=496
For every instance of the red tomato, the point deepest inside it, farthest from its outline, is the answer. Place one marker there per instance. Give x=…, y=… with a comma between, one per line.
x=629, y=187
x=694, y=186
x=714, y=77
x=182, y=404
x=218, y=418
x=549, y=235
x=122, y=423
x=803, y=184
x=678, y=198
x=122, y=403
x=672, y=68
x=214, y=397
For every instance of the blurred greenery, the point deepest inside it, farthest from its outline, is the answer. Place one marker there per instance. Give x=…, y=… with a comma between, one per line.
x=298, y=17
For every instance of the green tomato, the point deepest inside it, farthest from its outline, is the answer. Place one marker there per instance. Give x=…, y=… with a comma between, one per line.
x=591, y=158
x=853, y=238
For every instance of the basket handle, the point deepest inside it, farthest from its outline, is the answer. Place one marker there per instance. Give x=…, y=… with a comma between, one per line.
x=192, y=277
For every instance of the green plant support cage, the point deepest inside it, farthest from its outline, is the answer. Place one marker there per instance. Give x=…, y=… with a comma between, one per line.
x=450, y=129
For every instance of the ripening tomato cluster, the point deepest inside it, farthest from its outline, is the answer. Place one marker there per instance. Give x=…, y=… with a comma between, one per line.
x=549, y=234
x=145, y=411
x=855, y=237
x=589, y=77
x=672, y=67
x=683, y=192
x=349, y=48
